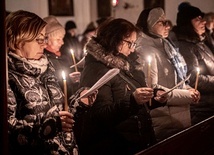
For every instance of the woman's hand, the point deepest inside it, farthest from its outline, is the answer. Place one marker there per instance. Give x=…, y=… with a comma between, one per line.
x=159, y=98
x=66, y=120
x=75, y=77
x=89, y=100
x=143, y=95
x=195, y=94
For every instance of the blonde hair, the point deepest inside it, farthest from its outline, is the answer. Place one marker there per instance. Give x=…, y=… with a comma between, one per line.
x=22, y=26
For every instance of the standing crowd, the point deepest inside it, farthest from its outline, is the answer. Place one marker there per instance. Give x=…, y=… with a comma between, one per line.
x=132, y=111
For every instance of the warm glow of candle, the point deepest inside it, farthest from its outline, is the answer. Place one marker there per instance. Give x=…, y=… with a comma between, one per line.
x=73, y=58
x=114, y=3
x=149, y=81
x=197, y=75
x=65, y=91
x=149, y=71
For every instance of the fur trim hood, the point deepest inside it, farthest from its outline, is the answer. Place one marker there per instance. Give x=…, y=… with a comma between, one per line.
x=115, y=61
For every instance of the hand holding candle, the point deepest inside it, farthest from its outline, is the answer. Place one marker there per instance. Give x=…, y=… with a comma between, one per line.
x=65, y=91
x=197, y=75
x=73, y=58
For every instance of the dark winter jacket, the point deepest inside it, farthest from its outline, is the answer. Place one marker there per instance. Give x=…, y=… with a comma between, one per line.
x=115, y=124
x=63, y=63
x=197, y=54
x=34, y=101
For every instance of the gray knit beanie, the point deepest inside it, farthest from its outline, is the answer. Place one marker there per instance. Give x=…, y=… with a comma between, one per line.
x=154, y=16
x=52, y=24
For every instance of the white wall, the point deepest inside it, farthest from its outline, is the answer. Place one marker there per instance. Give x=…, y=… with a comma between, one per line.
x=40, y=7
x=171, y=7
x=86, y=10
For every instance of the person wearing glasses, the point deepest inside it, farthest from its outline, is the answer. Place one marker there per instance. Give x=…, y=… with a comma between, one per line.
x=168, y=68
x=37, y=122
x=119, y=120
x=61, y=62
x=190, y=31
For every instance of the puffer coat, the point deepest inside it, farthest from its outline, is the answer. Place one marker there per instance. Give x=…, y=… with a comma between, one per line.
x=197, y=54
x=34, y=101
x=115, y=124
x=175, y=116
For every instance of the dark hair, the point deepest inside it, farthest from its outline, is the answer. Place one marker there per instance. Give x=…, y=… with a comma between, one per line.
x=142, y=20
x=70, y=25
x=184, y=26
x=112, y=32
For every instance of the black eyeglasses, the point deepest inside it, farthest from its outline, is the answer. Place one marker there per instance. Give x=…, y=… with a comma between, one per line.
x=164, y=22
x=130, y=44
x=42, y=40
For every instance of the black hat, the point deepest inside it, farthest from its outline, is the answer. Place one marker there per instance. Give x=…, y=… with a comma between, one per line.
x=186, y=14
x=70, y=25
x=183, y=4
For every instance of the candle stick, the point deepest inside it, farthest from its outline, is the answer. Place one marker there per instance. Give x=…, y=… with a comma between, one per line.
x=149, y=76
x=72, y=54
x=65, y=91
x=197, y=75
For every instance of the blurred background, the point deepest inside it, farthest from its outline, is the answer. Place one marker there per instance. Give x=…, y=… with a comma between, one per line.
x=85, y=11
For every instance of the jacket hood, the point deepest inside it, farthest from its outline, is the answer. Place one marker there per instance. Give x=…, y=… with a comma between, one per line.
x=115, y=61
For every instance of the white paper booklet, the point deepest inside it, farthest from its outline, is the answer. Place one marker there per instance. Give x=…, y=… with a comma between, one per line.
x=180, y=83
x=103, y=80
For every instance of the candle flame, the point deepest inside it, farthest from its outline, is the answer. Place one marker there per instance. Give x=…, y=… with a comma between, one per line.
x=72, y=52
x=198, y=70
x=149, y=59
x=114, y=3
x=63, y=75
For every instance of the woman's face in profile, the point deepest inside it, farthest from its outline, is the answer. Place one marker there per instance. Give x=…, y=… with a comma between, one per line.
x=55, y=42
x=128, y=44
x=199, y=25
x=33, y=49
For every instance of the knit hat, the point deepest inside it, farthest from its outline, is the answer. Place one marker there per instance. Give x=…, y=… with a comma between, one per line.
x=70, y=25
x=186, y=14
x=183, y=4
x=154, y=16
x=52, y=24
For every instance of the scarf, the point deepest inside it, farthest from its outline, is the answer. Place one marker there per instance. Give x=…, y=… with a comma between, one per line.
x=176, y=59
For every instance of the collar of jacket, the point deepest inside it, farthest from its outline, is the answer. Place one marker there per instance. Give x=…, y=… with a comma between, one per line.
x=114, y=61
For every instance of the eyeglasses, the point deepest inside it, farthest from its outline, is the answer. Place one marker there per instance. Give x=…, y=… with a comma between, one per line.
x=164, y=22
x=42, y=40
x=130, y=44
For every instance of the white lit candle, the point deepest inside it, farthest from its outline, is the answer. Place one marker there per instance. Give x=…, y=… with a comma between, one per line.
x=149, y=71
x=73, y=58
x=149, y=81
x=65, y=91
x=197, y=75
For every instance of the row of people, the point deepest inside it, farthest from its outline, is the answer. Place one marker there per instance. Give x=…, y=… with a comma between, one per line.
x=127, y=115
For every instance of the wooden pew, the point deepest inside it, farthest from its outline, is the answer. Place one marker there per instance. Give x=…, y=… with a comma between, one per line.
x=196, y=140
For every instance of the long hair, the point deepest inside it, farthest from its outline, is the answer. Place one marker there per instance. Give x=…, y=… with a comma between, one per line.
x=22, y=26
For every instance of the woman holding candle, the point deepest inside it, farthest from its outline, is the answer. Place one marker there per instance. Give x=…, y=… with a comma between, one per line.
x=119, y=120
x=168, y=68
x=190, y=32
x=55, y=32
x=37, y=123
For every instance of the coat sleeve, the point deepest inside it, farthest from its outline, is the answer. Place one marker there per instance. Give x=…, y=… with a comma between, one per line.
x=194, y=58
